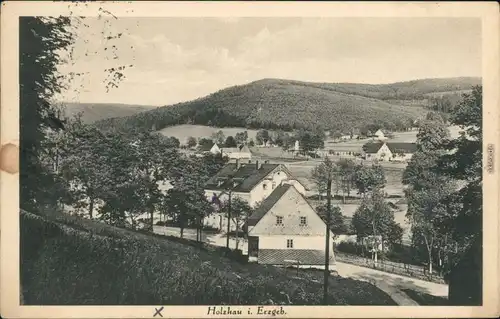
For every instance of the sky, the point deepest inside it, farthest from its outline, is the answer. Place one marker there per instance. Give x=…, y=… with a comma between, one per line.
x=170, y=60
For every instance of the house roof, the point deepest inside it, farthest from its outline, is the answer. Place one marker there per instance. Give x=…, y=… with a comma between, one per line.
x=230, y=149
x=304, y=256
x=402, y=147
x=372, y=147
x=393, y=147
x=247, y=175
x=206, y=147
x=267, y=204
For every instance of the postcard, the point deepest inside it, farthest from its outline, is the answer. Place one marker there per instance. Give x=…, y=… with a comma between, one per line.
x=198, y=159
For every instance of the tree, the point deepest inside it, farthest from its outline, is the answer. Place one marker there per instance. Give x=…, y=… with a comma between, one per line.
x=347, y=169
x=427, y=188
x=367, y=179
x=41, y=39
x=241, y=137
x=262, y=137
x=218, y=137
x=310, y=141
x=373, y=219
x=172, y=141
x=251, y=143
x=464, y=208
x=240, y=211
x=83, y=165
x=337, y=223
x=191, y=142
x=205, y=143
x=230, y=142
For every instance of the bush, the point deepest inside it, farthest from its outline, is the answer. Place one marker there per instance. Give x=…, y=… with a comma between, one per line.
x=349, y=248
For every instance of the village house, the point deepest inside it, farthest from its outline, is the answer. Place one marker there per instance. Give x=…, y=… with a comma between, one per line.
x=240, y=152
x=247, y=180
x=379, y=134
x=210, y=148
x=383, y=151
x=285, y=230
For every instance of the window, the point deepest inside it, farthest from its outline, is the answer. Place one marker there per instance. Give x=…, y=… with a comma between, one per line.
x=303, y=220
x=274, y=185
x=289, y=243
x=279, y=220
x=264, y=186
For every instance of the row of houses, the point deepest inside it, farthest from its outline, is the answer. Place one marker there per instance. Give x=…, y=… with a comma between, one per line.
x=240, y=152
x=284, y=228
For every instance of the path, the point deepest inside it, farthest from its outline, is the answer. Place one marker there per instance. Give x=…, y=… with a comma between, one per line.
x=392, y=283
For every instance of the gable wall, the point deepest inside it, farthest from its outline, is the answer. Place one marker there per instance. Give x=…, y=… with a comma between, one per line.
x=290, y=207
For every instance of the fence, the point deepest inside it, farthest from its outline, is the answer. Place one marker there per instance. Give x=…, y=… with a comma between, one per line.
x=418, y=272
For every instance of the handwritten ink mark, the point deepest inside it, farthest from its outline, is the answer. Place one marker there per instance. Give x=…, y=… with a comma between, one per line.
x=158, y=312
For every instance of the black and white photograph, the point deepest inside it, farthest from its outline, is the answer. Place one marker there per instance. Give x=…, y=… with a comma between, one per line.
x=244, y=165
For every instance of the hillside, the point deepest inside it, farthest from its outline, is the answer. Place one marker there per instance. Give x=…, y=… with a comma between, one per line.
x=93, y=112
x=286, y=104
x=67, y=260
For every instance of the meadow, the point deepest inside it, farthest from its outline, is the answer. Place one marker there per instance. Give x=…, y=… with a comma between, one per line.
x=183, y=131
x=66, y=260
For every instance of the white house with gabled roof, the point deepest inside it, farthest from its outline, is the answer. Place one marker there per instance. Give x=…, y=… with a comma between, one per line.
x=285, y=229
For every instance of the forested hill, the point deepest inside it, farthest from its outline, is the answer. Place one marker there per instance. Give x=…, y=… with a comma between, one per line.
x=93, y=112
x=286, y=104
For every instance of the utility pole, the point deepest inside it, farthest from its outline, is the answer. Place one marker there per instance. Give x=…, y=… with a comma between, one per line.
x=327, y=243
x=228, y=219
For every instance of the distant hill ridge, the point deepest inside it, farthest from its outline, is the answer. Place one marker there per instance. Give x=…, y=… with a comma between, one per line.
x=92, y=112
x=289, y=104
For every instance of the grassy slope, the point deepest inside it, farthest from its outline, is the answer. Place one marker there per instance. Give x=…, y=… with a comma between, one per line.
x=92, y=112
x=71, y=261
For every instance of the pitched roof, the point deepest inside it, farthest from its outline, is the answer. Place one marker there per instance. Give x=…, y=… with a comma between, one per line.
x=247, y=175
x=304, y=256
x=372, y=147
x=206, y=147
x=267, y=204
x=393, y=147
x=402, y=147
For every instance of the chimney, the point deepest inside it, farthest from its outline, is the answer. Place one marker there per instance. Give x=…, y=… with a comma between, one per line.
x=266, y=162
x=238, y=164
x=257, y=165
x=249, y=161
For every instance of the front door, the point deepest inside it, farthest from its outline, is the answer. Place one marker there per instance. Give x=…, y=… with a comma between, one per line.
x=253, y=246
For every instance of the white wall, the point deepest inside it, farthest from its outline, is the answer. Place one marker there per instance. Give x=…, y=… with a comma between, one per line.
x=299, y=242
x=258, y=194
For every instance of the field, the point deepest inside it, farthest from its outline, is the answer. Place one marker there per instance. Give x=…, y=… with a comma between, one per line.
x=67, y=260
x=182, y=132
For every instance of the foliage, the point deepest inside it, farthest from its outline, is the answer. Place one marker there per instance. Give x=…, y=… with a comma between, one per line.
x=464, y=208
x=205, y=142
x=230, y=142
x=218, y=137
x=262, y=137
x=241, y=137
x=191, y=142
x=369, y=178
x=337, y=222
x=374, y=217
x=310, y=141
x=41, y=42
